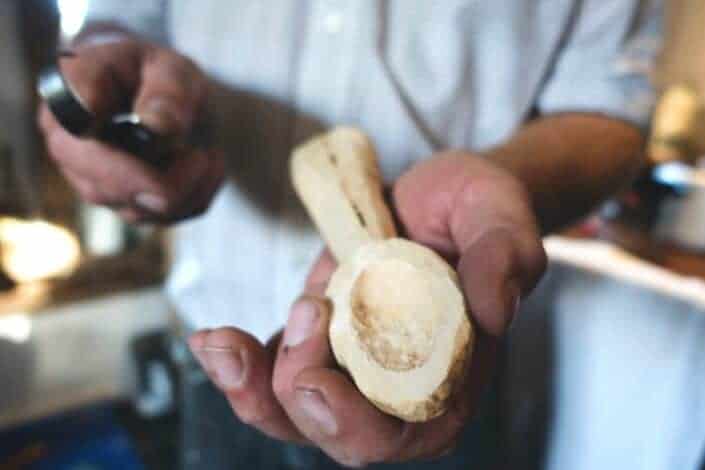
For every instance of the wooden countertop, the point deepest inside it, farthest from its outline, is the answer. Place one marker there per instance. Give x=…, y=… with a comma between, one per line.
x=684, y=262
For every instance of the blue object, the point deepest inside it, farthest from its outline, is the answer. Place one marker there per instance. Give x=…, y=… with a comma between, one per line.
x=88, y=439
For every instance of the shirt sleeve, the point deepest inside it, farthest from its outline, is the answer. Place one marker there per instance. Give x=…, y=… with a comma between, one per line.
x=144, y=17
x=607, y=57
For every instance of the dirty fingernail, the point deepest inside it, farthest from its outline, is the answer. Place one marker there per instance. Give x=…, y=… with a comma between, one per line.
x=302, y=323
x=151, y=202
x=228, y=366
x=314, y=405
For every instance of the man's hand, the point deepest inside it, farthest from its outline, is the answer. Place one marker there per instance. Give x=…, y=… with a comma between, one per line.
x=478, y=216
x=167, y=91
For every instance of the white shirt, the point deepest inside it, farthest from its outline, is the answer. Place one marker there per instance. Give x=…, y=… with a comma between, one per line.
x=417, y=75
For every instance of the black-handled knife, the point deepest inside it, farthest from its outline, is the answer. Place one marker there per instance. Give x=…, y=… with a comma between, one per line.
x=123, y=130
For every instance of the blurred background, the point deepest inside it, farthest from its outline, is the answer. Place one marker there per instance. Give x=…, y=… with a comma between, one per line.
x=83, y=372
x=86, y=370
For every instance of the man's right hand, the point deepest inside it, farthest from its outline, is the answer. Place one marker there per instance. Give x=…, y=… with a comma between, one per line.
x=168, y=92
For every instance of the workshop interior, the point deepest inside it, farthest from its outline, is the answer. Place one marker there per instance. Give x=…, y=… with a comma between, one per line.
x=89, y=369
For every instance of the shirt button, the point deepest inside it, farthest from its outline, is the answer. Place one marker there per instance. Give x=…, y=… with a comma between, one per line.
x=333, y=23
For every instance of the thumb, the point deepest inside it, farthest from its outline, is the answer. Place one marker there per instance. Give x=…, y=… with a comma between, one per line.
x=469, y=209
x=104, y=76
x=305, y=340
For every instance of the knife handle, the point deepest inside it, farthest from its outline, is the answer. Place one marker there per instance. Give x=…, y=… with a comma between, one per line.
x=122, y=131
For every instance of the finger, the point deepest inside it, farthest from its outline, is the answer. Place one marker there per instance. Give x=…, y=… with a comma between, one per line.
x=473, y=211
x=172, y=194
x=362, y=435
x=172, y=90
x=365, y=435
x=113, y=170
x=446, y=202
x=90, y=193
x=324, y=405
x=186, y=205
x=307, y=324
x=126, y=180
x=242, y=368
x=167, y=89
x=384, y=439
x=304, y=344
x=86, y=189
x=105, y=76
x=492, y=279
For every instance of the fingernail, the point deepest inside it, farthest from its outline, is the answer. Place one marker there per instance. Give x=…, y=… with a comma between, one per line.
x=227, y=365
x=302, y=323
x=314, y=405
x=151, y=202
x=161, y=115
